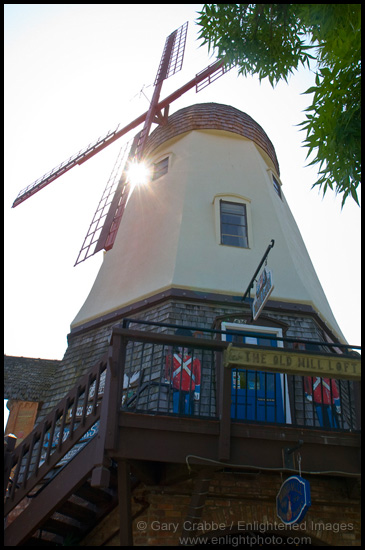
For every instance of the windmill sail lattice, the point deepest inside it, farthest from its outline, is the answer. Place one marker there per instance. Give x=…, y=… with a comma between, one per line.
x=82, y=156
x=176, y=56
x=171, y=62
x=104, y=227
x=94, y=232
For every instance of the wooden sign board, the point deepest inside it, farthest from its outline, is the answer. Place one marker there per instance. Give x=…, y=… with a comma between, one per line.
x=288, y=362
x=264, y=288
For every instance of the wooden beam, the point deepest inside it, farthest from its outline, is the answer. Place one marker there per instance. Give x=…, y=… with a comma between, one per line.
x=143, y=436
x=169, y=339
x=124, y=497
x=116, y=368
x=9, y=446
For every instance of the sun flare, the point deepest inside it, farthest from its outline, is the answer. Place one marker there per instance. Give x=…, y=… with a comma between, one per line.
x=138, y=174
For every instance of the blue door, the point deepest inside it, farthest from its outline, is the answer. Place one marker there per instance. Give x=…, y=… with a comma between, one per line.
x=256, y=395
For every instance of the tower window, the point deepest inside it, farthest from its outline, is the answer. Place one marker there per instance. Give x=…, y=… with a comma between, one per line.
x=160, y=168
x=233, y=218
x=276, y=185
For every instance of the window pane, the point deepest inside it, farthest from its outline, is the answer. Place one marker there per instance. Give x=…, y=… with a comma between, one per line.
x=228, y=229
x=239, y=379
x=233, y=208
x=270, y=382
x=253, y=380
x=233, y=224
x=231, y=218
x=231, y=240
x=160, y=168
x=276, y=185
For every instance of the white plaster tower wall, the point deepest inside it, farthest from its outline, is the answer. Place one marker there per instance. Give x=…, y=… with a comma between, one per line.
x=169, y=236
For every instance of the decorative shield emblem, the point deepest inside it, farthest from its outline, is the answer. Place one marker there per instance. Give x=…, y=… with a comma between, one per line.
x=293, y=500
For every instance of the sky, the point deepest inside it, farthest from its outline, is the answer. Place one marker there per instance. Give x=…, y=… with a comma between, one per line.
x=72, y=73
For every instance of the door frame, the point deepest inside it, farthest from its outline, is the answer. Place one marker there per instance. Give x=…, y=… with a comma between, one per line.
x=226, y=326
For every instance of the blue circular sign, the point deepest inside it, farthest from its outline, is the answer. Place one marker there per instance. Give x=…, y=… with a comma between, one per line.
x=293, y=500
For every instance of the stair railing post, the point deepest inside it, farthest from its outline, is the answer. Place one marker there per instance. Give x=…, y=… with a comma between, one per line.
x=125, y=507
x=108, y=428
x=224, y=410
x=9, y=446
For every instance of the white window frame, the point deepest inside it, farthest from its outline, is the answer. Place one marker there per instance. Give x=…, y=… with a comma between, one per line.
x=239, y=199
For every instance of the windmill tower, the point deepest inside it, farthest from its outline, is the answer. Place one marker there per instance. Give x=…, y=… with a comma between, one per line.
x=183, y=247
x=202, y=222
x=190, y=240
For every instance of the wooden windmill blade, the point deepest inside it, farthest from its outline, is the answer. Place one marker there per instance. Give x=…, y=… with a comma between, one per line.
x=177, y=41
x=94, y=232
x=171, y=62
x=105, y=223
x=117, y=207
x=79, y=158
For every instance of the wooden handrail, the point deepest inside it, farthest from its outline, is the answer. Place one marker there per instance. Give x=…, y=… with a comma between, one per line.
x=26, y=457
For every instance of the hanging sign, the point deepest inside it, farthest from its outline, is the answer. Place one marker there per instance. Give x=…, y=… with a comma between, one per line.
x=264, y=288
x=293, y=500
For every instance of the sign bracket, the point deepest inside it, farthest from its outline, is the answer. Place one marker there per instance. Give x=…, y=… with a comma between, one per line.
x=288, y=457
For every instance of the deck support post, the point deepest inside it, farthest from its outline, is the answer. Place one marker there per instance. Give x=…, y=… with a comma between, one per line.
x=124, y=497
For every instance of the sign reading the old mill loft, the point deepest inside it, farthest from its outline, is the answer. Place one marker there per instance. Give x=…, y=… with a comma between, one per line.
x=289, y=362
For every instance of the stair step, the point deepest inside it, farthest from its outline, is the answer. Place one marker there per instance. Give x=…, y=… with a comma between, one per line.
x=39, y=542
x=42, y=538
x=82, y=513
x=61, y=527
x=94, y=494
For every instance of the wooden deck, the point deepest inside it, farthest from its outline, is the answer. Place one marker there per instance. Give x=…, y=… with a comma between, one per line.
x=151, y=446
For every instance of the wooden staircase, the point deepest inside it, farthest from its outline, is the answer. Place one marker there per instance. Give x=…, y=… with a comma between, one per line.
x=58, y=482
x=66, y=508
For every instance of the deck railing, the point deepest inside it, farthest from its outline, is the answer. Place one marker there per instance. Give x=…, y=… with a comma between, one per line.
x=166, y=374
x=151, y=386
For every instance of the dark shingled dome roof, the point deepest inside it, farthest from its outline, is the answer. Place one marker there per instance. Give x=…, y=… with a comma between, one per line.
x=212, y=116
